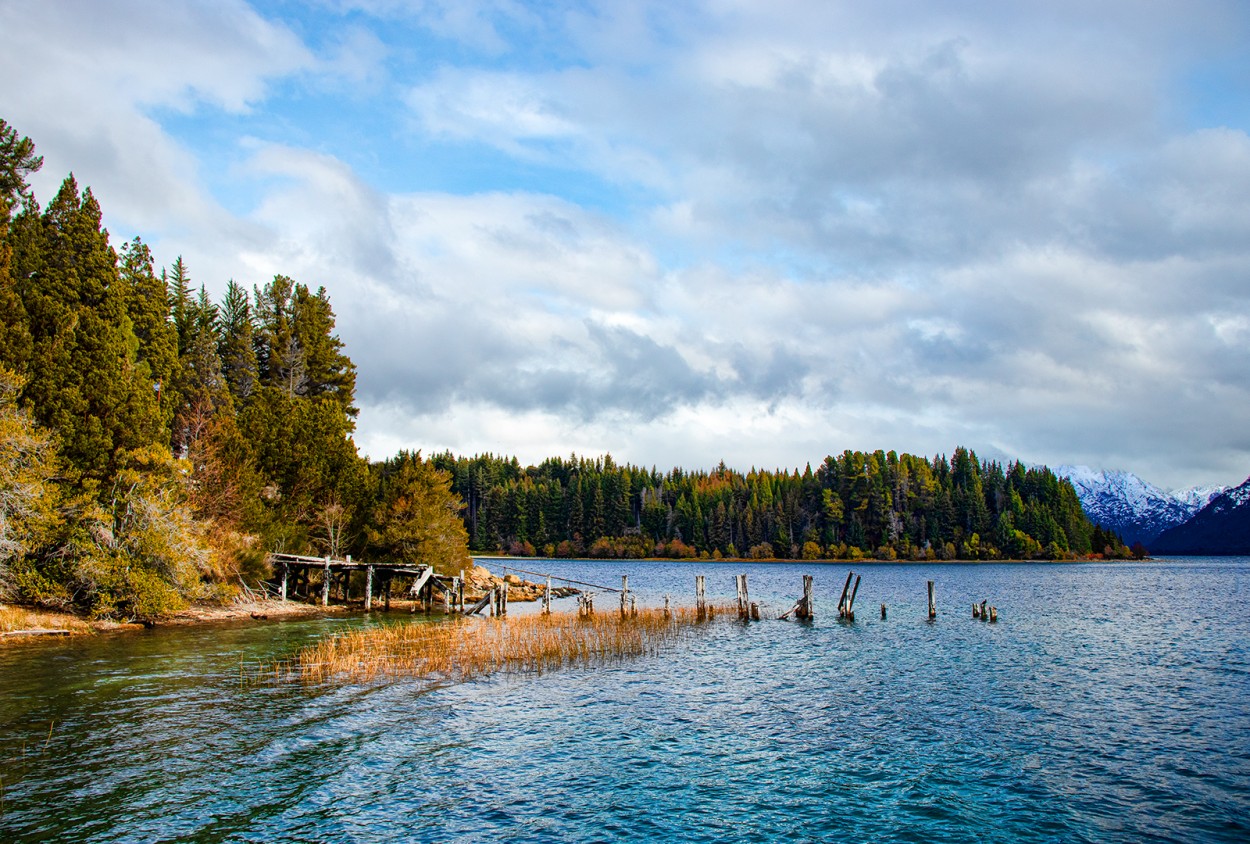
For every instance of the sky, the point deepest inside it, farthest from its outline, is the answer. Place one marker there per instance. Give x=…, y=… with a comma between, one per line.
x=687, y=232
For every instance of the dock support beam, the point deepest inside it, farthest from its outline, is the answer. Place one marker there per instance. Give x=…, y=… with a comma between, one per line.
x=368, y=588
x=284, y=576
x=325, y=585
x=744, y=600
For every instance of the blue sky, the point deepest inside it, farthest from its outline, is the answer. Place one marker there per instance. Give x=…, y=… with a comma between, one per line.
x=687, y=232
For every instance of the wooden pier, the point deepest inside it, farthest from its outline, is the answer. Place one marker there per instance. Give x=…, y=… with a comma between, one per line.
x=294, y=571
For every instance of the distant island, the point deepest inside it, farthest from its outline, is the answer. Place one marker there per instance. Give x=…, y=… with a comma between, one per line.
x=157, y=445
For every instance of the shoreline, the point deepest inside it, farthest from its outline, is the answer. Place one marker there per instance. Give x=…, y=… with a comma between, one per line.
x=42, y=623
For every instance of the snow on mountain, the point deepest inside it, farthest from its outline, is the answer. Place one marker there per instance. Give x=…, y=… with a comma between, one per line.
x=1135, y=509
x=1221, y=527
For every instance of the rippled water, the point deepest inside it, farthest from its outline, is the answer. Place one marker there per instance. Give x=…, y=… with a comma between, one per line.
x=1110, y=703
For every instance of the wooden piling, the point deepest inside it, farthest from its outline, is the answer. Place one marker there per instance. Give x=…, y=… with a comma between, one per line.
x=842, y=600
x=850, y=604
x=700, y=598
x=547, y=597
x=667, y=612
x=755, y=611
x=985, y=615
x=993, y=615
x=976, y=610
x=386, y=594
x=503, y=598
x=368, y=588
x=325, y=585
x=744, y=608
x=624, y=592
x=806, y=610
x=284, y=573
x=883, y=612
x=932, y=602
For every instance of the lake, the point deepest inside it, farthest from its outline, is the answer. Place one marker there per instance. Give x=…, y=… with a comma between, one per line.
x=1111, y=702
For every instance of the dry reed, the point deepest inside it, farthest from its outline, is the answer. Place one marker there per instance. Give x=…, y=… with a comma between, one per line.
x=21, y=618
x=466, y=648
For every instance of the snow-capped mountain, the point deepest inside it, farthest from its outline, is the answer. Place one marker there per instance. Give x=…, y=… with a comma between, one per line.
x=1138, y=511
x=1221, y=527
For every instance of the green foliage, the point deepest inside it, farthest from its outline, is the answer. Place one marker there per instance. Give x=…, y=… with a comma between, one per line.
x=888, y=505
x=28, y=497
x=85, y=380
x=416, y=517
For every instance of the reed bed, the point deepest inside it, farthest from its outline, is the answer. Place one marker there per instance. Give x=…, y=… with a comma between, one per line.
x=467, y=648
x=21, y=618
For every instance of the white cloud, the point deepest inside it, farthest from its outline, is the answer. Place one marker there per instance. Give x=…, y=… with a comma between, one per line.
x=828, y=225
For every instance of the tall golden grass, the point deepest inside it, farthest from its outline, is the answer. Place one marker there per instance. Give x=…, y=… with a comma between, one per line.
x=21, y=618
x=463, y=649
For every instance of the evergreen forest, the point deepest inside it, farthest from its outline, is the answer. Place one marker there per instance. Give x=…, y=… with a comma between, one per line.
x=155, y=445
x=881, y=505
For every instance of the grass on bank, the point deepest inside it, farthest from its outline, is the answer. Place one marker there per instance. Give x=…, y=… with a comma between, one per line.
x=14, y=619
x=466, y=648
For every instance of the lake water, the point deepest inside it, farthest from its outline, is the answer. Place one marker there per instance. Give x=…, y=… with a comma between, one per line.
x=1111, y=702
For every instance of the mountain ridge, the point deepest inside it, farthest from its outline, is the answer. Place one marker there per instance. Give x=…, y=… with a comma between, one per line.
x=1222, y=527
x=1134, y=508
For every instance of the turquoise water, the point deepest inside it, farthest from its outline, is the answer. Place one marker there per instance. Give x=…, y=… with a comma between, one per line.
x=1110, y=703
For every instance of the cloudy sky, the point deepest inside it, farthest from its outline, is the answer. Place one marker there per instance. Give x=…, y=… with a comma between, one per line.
x=681, y=232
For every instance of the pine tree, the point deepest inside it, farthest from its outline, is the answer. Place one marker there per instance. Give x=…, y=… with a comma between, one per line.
x=17, y=161
x=147, y=306
x=237, y=348
x=85, y=381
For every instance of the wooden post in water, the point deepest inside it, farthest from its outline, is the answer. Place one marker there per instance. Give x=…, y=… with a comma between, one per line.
x=883, y=612
x=850, y=603
x=547, y=597
x=368, y=588
x=842, y=600
x=503, y=598
x=633, y=606
x=744, y=598
x=386, y=593
x=807, y=610
x=667, y=612
x=325, y=585
x=993, y=615
x=700, y=598
x=932, y=602
x=284, y=571
x=976, y=610
x=624, y=592
x=985, y=615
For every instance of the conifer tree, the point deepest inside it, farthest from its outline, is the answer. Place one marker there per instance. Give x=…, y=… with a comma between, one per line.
x=237, y=347
x=147, y=306
x=17, y=161
x=84, y=381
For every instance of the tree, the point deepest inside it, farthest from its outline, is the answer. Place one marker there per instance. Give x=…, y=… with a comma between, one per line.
x=17, y=161
x=28, y=495
x=147, y=306
x=416, y=517
x=237, y=348
x=84, y=379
